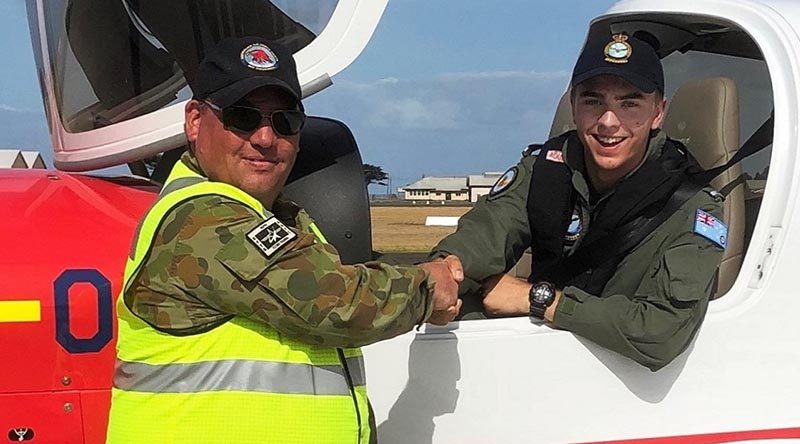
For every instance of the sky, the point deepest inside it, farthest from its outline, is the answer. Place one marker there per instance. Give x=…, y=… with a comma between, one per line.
x=445, y=87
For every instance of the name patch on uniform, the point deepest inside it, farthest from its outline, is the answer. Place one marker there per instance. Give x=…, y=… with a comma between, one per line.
x=711, y=228
x=555, y=156
x=504, y=181
x=270, y=236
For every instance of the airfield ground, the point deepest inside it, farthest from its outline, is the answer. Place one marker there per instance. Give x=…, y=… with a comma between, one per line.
x=403, y=230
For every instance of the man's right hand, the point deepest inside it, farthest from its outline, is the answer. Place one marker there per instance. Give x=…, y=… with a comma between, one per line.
x=445, y=275
x=443, y=317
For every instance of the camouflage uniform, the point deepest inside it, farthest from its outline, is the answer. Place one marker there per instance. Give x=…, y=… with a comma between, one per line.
x=202, y=271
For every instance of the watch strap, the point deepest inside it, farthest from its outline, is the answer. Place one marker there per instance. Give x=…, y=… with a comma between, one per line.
x=537, y=310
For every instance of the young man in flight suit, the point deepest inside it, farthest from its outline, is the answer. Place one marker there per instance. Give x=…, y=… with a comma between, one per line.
x=574, y=201
x=237, y=321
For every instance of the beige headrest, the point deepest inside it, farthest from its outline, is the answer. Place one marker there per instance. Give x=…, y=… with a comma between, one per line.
x=704, y=115
x=562, y=121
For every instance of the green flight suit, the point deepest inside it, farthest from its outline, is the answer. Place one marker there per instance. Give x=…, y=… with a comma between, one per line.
x=654, y=303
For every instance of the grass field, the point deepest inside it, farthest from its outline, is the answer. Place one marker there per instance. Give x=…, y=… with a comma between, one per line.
x=403, y=230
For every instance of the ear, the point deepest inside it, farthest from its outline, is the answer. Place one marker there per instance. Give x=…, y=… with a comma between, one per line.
x=661, y=111
x=191, y=120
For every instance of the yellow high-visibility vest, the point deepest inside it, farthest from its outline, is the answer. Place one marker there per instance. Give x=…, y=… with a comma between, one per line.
x=241, y=382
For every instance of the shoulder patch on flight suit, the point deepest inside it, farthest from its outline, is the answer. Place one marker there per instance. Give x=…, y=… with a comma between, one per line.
x=504, y=182
x=711, y=228
x=270, y=236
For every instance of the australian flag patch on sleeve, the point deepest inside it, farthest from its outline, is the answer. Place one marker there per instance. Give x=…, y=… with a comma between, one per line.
x=711, y=228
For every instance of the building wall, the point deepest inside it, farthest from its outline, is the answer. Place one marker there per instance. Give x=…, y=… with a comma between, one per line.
x=476, y=192
x=417, y=195
x=449, y=195
x=436, y=195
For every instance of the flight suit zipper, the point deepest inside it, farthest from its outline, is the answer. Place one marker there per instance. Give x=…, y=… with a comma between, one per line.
x=352, y=388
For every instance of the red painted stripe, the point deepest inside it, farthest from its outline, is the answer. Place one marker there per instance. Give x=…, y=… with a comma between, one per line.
x=714, y=438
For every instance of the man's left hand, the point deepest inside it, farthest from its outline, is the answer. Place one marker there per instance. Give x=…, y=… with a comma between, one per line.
x=506, y=295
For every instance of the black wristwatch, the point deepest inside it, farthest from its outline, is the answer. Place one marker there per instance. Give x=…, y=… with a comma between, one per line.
x=541, y=295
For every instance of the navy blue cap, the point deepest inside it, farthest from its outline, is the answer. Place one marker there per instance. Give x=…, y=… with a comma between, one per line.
x=235, y=67
x=623, y=56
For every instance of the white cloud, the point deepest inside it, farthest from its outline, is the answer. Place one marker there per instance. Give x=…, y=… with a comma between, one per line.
x=504, y=75
x=462, y=100
x=450, y=124
x=412, y=113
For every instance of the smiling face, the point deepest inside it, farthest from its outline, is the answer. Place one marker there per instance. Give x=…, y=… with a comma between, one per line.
x=258, y=162
x=613, y=119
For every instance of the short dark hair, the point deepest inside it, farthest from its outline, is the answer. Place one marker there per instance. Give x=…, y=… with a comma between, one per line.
x=658, y=95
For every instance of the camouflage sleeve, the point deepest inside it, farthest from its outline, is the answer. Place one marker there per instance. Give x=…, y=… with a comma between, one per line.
x=301, y=289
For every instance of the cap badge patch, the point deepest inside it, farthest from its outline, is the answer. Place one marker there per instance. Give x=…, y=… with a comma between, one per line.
x=504, y=181
x=618, y=50
x=259, y=57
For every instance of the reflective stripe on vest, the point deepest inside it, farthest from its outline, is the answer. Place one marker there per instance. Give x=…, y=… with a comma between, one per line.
x=242, y=375
x=314, y=229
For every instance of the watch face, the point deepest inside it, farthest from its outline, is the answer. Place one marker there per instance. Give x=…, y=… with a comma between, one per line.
x=543, y=293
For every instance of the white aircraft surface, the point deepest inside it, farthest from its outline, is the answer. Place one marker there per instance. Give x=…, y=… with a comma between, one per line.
x=729, y=65
x=511, y=380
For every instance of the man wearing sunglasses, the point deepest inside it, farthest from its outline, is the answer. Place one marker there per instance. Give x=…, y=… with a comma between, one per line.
x=579, y=202
x=237, y=321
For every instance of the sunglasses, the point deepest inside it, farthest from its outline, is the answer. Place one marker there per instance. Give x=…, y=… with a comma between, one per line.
x=246, y=119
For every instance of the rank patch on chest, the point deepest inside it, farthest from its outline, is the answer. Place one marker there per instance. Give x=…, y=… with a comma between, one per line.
x=270, y=236
x=555, y=156
x=711, y=228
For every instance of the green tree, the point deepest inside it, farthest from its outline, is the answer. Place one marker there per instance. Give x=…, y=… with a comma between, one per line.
x=374, y=174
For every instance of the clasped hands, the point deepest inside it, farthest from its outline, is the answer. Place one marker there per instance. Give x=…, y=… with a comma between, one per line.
x=445, y=275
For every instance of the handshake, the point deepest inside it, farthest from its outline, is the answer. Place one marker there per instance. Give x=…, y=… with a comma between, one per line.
x=445, y=275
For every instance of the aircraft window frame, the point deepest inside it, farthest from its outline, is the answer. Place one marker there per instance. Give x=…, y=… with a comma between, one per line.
x=351, y=25
x=83, y=102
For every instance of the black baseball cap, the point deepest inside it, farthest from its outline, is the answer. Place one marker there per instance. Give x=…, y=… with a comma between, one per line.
x=623, y=56
x=235, y=67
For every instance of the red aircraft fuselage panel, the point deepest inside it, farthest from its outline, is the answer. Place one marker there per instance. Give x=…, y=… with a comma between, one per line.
x=65, y=238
